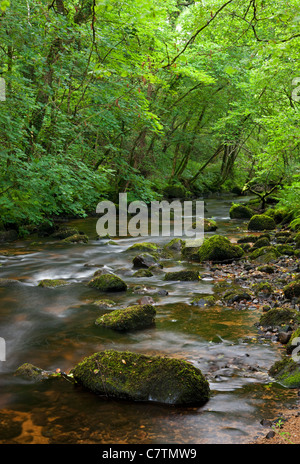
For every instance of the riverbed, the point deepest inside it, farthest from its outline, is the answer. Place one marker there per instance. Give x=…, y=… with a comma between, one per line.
x=54, y=328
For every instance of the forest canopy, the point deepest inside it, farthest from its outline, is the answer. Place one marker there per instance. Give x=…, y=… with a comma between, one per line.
x=156, y=98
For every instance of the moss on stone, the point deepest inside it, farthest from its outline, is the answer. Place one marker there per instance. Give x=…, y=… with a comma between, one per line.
x=175, y=191
x=143, y=273
x=292, y=290
x=267, y=250
x=132, y=318
x=263, y=287
x=293, y=343
x=176, y=244
x=135, y=377
x=278, y=316
x=144, y=246
x=219, y=248
x=286, y=372
x=285, y=250
x=248, y=239
x=30, y=372
x=108, y=283
x=261, y=242
x=144, y=260
x=104, y=303
x=267, y=268
x=64, y=232
x=190, y=253
x=261, y=222
x=52, y=283
x=77, y=238
x=204, y=301
x=236, y=295
x=240, y=212
x=185, y=275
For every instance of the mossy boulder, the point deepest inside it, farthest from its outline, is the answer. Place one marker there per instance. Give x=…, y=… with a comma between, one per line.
x=108, y=283
x=104, y=303
x=204, y=301
x=261, y=222
x=264, y=254
x=240, y=212
x=285, y=250
x=76, y=238
x=64, y=232
x=144, y=246
x=286, y=372
x=219, y=248
x=136, y=377
x=293, y=342
x=292, y=290
x=264, y=288
x=144, y=260
x=175, y=191
x=250, y=238
x=33, y=373
x=278, y=316
x=236, y=296
x=52, y=283
x=190, y=253
x=185, y=275
x=176, y=244
x=128, y=319
x=261, y=242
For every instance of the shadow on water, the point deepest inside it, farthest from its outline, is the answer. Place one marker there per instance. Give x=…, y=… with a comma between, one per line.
x=55, y=329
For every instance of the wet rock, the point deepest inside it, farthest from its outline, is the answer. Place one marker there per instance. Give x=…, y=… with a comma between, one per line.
x=64, y=232
x=144, y=246
x=143, y=273
x=134, y=377
x=146, y=300
x=284, y=337
x=8, y=235
x=9, y=428
x=185, y=275
x=108, y=283
x=293, y=342
x=219, y=248
x=276, y=317
x=292, y=290
x=261, y=222
x=52, y=283
x=144, y=260
x=10, y=283
x=132, y=318
x=204, y=301
x=176, y=244
x=240, y=212
x=104, y=304
x=30, y=372
x=77, y=238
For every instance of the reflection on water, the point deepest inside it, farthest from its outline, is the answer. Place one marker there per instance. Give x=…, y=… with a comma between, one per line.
x=54, y=328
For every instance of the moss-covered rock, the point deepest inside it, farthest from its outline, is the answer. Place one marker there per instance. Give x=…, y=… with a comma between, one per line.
x=261, y=242
x=278, y=316
x=185, y=275
x=204, y=301
x=144, y=260
x=264, y=254
x=64, y=232
x=240, y=212
x=297, y=240
x=176, y=244
x=278, y=214
x=176, y=191
x=261, y=222
x=135, y=377
x=190, y=253
x=286, y=372
x=250, y=238
x=104, y=303
x=132, y=318
x=285, y=250
x=236, y=296
x=144, y=246
x=263, y=288
x=143, y=273
x=292, y=290
x=30, y=372
x=218, y=248
x=108, y=283
x=293, y=342
x=52, y=283
x=77, y=238
x=267, y=268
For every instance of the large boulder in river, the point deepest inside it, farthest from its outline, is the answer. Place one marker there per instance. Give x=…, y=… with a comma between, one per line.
x=108, y=283
x=132, y=318
x=135, y=377
x=144, y=260
x=240, y=212
x=261, y=222
x=219, y=248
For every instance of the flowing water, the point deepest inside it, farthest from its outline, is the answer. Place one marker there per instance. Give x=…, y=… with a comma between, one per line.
x=54, y=329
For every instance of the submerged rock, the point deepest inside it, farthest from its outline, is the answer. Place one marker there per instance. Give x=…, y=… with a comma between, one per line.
x=219, y=248
x=77, y=238
x=108, y=283
x=30, y=372
x=52, y=283
x=143, y=273
x=132, y=318
x=261, y=222
x=185, y=275
x=9, y=282
x=144, y=260
x=136, y=377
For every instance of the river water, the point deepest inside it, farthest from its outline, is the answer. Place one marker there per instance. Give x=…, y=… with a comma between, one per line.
x=55, y=329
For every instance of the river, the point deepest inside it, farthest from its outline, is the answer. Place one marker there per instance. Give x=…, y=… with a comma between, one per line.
x=55, y=329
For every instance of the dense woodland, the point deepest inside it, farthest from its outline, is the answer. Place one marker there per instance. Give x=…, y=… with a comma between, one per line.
x=156, y=98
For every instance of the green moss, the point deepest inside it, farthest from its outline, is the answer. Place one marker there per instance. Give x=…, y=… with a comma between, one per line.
x=208, y=225
x=108, y=283
x=297, y=240
x=285, y=250
x=204, y=301
x=291, y=345
x=144, y=246
x=263, y=287
x=30, y=372
x=64, y=232
x=144, y=260
x=143, y=273
x=176, y=244
x=278, y=214
x=292, y=290
x=136, y=377
x=236, y=294
x=77, y=238
x=175, y=191
x=52, y=283
x=261, y=242
x=261, y=222
x=267, y=268
x=278, y=316
x=104, y=304
x=218, y=248
x=182, y=275
x=286, y=372
x=267, y=250
x=190, y=253
x=248, y=239
x=240, y=212
x=132, y=318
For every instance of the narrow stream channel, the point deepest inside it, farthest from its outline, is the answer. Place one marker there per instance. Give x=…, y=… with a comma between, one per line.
x=54, y=329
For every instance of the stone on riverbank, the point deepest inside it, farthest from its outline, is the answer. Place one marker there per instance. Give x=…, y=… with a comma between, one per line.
x=134, y=377
x=292, y=290
x=286, y=372
x=261, y=222
x=278, y=316
x=132, y=318
x=219, y=248
x=108, y=283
